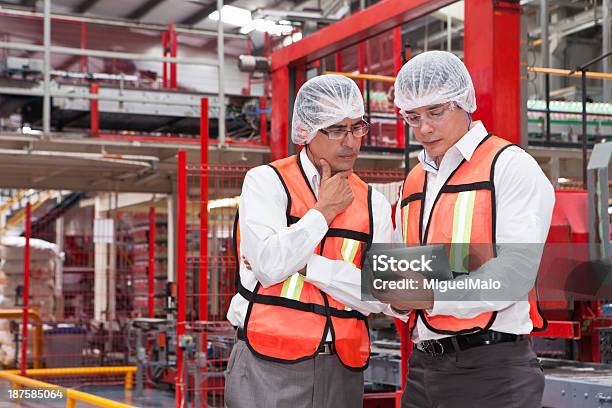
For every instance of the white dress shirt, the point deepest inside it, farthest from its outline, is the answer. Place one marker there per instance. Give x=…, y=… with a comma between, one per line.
x=525, y=200
x=276, y=251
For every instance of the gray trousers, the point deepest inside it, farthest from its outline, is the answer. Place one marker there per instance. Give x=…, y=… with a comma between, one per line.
x=504, y=375
x=320, y=382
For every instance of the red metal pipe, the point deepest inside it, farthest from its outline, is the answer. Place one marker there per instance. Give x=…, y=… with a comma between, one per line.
x=279, y=136
x=397, y=65
x=94, y=112
x=181, y=270
x=496, y=75
x=26, y=290
x=165, y=64
x=263, y=121
x=173, y=54
x=203, y=281
x=361, y=55
x=151, y=282
x=84, y=67
x=367, y=23
x=339, y=61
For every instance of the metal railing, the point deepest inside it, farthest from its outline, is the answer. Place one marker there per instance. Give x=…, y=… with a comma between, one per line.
x=72, y=396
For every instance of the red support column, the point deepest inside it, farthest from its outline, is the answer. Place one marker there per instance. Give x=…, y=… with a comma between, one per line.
x=203, y=272
x=496, y=75
x=406, y=350
x=397, y=65
x=165, y=64
x=279, y=136
x=263, y=121
x=300, y=77
x=173, y=54
x=362, y=65
x=203, y=281
x=94, y=113
x=84, y=46
x=26, y=290
x=266, y=53
x=181, y=271
x=595, y=336
x=339, y=61
x=151, y=282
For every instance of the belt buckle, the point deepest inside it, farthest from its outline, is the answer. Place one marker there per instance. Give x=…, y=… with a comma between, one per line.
x=326, y=349
x=432, y=347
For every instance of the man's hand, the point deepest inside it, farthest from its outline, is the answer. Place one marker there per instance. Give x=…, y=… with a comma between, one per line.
x=414, y=297
x=248, y=266
x=335, y=193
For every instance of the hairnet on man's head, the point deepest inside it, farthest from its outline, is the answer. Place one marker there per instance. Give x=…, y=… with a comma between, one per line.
x=434, y=77
x=324, y=101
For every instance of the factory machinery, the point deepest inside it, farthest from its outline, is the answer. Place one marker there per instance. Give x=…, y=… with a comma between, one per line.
x=129, y=105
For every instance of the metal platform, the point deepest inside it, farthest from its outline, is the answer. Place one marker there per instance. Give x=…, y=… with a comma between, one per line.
x=571, y=384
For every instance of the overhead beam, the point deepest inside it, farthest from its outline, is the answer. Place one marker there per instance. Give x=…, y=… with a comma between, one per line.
x=367, y=23
x=573, y=24
x=144, y=9
x=85, y=6
x=203, y=13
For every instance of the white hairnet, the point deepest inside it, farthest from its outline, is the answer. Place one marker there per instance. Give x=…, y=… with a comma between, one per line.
x=324, y=101
x=432, y=78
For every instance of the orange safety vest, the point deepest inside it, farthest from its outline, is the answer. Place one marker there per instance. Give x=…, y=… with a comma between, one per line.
x=288, y=322
x=464, y=212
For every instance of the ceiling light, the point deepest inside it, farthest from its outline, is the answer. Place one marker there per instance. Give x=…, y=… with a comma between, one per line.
x=232, y=15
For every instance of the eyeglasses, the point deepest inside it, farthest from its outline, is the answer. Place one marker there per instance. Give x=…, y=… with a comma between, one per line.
x=433, y=115
x=358, y=131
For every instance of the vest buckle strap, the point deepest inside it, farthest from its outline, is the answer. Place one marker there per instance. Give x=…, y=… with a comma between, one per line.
x=326, y=349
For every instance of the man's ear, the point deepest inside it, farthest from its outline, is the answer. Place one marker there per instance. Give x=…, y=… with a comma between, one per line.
x=303, y=133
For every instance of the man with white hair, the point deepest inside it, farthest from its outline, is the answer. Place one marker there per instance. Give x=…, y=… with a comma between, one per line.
x=305, y=223
x=471, y=190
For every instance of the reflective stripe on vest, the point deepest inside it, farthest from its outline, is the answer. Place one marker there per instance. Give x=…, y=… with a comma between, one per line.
x=462, y=230
x=463, y=214
x=288, y=322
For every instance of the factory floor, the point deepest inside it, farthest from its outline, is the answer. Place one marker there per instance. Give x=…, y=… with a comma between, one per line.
x=151, y=398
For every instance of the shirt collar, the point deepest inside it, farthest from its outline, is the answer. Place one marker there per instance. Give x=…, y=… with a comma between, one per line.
x=311, y=172
x=465, y=146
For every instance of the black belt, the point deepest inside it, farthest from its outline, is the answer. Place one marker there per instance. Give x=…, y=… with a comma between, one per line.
x=466, y=341
x=326, y=348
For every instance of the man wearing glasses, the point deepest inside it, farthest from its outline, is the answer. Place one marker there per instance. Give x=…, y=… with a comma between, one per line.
x=305, y=223
x=472, y=190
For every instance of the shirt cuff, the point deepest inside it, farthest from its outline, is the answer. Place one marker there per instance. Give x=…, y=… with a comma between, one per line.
x=317, y=273
x=443, y=305
x=315, y=225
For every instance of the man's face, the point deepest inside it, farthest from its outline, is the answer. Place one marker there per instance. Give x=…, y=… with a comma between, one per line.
x=339, y=153
x=439, y=128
